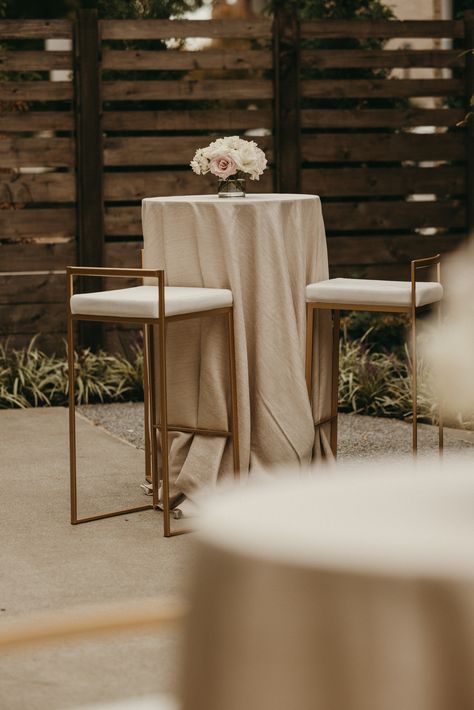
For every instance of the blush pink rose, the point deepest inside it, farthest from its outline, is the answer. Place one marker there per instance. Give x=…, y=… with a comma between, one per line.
x=222, y=167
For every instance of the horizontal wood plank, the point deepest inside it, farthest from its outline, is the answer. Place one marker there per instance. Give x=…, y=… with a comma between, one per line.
x=36, y=91
x=187, y=120
x=135, y=186
x=35, y=61
x=384, y=88
x=37, y=256
x=380, y=118
x=160, y=150
x=35, y=29
x=27, y=121
x=347, y=182
x=24, y=188
x=354, y=216
x=43, y=152
x=24, y=224
x=31, y=318
x=187, y=90
x=384, y=29
x=181, y=29
x=380, y=58
x=123, y=254
x=185, y=60
x=398, y=249
x=385, y=147
x=33, y=288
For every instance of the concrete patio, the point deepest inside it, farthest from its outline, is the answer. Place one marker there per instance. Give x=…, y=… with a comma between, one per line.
x=48, y=564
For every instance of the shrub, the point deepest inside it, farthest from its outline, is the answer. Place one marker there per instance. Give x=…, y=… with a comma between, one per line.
x=30, y=378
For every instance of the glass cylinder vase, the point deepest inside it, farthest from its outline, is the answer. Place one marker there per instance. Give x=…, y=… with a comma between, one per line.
x=231, y=187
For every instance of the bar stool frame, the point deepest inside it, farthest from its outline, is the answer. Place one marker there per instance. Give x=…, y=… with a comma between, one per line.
x=412, y=310
x=152, y=426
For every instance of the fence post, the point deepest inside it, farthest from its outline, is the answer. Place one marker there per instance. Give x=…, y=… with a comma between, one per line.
x=286, y=73
x=89, y=193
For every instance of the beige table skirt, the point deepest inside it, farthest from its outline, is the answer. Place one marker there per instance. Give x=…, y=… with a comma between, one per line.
x=352, y=591
x=265, y=248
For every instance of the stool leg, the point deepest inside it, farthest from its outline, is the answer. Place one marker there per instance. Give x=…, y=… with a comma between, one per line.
x=414, y=387
x=150, y=402
x=335, y=380
x=309, y=350
x=72, y=420
x=440, y=410
x=164, y=427
x=233, y=393
x=146, y=403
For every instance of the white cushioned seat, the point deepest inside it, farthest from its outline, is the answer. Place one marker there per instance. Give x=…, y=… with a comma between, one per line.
x=372, y=292
x=142, y=301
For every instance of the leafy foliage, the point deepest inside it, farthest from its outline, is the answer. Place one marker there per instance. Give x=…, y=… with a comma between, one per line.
x=371, y=381
x=30, y=378
x=379, y=383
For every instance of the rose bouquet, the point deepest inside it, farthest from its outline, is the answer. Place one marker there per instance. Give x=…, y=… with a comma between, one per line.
x=230, y=159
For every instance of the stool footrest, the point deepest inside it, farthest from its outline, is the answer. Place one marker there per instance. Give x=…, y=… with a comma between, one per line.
x=326, y=420
x=111, y=515
x=195, y=430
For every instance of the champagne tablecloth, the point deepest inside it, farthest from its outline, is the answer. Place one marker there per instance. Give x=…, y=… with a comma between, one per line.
x=265, y=248
x=338, y=592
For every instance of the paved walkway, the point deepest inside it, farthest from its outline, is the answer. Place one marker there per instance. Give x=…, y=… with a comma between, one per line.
x=45, y=563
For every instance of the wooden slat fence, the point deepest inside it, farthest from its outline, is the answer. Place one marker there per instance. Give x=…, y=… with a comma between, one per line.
x=379, y=146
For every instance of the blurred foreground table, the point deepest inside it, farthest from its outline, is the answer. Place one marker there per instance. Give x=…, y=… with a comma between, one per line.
x=352, y=591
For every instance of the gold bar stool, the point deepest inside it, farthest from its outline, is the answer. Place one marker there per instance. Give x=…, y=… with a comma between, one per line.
x=341, y=294
x=151, y=307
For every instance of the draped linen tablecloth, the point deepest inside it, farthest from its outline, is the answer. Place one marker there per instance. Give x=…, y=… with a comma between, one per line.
x=352, y=591
x=265, y=248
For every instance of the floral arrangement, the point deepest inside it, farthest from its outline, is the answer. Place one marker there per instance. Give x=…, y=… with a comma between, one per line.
x=227, y=157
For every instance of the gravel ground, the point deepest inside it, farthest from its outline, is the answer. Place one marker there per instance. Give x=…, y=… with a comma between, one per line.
x=360, y=437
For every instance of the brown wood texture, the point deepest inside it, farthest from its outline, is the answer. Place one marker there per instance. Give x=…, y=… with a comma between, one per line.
x=33, y=288
x=221, y=59
x=197, y=89
x=22, y=188
x=181, y=29
x=35, y=29
x=385, y=147
x=187, y=120
x=287, y=100
x=25, y=121
x=345, y=182
x=380, y=58
x=397, y=272
x=36, y=91
x=32, y=318
x=35, y=61
x=384, y=29
x=381, y=249
x=384, y=88
x=137, y=185
x=159, y=150
x=378, y=216
x=23, y=224
x=396, y=118
x=90, y=201
x=37, y=152
x=37, y=256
